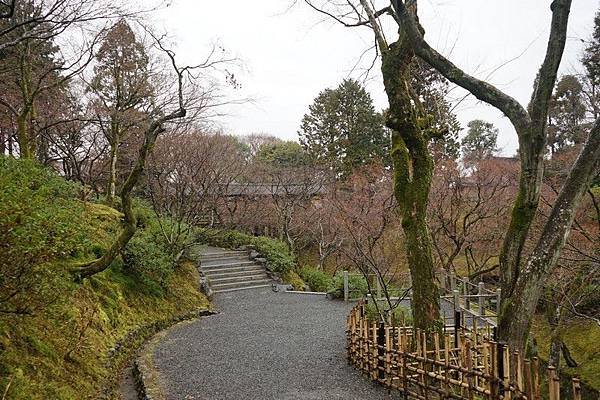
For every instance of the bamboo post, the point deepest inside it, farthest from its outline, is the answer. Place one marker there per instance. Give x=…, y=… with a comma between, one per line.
x=388, y=356
x=518, y=365
x=576, y=389
x=452, y=281
x=553, y=384
x=381, y=353
x=346, y=286
x=495, y=380
x=374, y=352
x=486, y=367
x=447, y=364
x=527, y=379
x=535, y=378
x=469, y=367
x=506, y=379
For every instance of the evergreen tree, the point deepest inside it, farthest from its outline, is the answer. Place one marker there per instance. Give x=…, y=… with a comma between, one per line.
x=566, y=115
x=591, y=78
x=121, y=87
x=432, y=88
x=31, y=85
x=343, y=130
x=480, y=141
x=591, y=56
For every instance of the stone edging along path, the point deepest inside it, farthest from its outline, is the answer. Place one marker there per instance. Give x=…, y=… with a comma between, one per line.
x=145, y=375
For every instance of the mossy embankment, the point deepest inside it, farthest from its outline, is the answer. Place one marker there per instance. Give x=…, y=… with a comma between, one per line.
x=582, y=337
x=60, y=339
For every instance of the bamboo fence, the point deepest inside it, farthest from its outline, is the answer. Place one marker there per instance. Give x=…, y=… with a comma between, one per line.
x=457, y=364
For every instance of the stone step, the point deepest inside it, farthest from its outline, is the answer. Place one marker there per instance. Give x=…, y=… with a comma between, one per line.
x=242, y=288
x=228, y=273
x=225, y=254
x=212, y=271
x=232, y=285
x=220, y=265
x=233, y=279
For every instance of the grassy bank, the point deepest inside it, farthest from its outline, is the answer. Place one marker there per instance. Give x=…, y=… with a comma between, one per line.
x=65, y=340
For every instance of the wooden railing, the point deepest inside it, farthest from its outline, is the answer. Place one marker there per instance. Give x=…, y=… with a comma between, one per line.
x=463, y=364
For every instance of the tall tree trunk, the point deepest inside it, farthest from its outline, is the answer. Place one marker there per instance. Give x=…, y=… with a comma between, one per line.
x=521, y=281
x=517, y=309
x=553, y=317
x=112, y=174
x=413, y=169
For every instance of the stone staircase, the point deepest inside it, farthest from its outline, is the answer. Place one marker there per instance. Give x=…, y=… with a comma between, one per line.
x=230, y=270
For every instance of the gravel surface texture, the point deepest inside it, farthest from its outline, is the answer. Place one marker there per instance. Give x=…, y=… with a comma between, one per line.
x=263, y=345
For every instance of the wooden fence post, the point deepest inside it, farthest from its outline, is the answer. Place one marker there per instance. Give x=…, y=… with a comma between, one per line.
x=536, y=378
x=381, y=346
x=456, y=299
x=346, y=286
x=466, y=292
x=553, y=384
x=480, y=298
x=498, y=297
x=501, y=369
x=576, y=389
x=452, y=281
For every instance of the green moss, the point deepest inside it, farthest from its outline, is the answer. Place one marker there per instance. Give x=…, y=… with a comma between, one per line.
x=318, y=280
x=64, y=348
x=582, y=338
x=293, y=279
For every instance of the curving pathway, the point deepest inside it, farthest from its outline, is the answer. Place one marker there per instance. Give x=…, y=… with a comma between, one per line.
x=263, y=345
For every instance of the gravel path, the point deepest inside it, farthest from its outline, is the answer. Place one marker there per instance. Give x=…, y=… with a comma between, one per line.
x=263, y=345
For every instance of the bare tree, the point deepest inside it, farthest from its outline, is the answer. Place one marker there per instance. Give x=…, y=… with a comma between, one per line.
x=414, y=128
x=468, y=212
x=171, y=107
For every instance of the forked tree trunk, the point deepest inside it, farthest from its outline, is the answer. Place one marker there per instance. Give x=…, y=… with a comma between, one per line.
x=413, y=170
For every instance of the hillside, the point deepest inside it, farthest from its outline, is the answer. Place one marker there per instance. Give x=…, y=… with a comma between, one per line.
x=65, y=340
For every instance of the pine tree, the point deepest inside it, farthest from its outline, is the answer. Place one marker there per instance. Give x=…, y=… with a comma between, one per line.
x=480, y=141
x=121, y=87
x=343, y=130
x=566, y=115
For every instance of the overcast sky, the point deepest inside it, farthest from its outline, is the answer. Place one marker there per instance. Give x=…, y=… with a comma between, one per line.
x=290, y=55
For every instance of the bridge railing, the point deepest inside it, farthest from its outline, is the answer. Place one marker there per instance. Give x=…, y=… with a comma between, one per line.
x=459, y=365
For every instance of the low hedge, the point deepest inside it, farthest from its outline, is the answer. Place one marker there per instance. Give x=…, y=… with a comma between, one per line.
x=275, y=251
x=318, y=280
x=357, y=286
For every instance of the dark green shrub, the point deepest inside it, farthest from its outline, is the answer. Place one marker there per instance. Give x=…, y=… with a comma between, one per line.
x=148, y=260
x=398, y=314
x=42, y=224
x=357, y=286
x=318, y=280
x=275, y=251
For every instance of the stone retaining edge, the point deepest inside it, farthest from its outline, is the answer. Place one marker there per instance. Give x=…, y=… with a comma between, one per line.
x=144, y=374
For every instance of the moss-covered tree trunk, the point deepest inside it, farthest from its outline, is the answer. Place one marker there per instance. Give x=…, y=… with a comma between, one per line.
x=111, y=186
x=413, y=169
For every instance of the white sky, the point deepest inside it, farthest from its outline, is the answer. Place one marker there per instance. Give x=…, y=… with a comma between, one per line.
x=291, y=55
